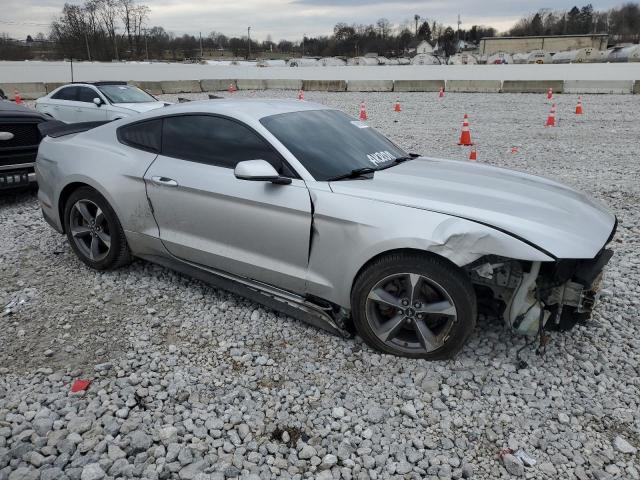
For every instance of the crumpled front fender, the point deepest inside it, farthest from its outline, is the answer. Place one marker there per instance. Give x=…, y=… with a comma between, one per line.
x=349, y=232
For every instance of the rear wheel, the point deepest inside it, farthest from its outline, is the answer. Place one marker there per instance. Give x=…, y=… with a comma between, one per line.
x=94, y=232
x=414, y=305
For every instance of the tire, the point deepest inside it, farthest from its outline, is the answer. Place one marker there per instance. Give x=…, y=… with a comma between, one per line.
x=439, y=318
x=81, y=205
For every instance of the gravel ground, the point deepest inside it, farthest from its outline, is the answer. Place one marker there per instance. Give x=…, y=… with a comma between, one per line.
x=190, y=382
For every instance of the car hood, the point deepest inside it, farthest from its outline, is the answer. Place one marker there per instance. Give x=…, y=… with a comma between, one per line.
x=140, y=107
x=557, y=219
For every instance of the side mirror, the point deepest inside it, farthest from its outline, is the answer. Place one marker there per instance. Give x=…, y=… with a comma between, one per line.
x=97, y=101
x=259, y=171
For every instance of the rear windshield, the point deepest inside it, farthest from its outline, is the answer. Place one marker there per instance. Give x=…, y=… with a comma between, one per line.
x=125, y=94
x=329, y=143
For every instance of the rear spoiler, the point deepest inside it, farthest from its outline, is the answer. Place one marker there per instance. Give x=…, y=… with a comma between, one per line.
x=56, y=128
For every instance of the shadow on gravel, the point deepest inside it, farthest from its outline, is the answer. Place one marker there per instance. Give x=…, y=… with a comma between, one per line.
x=14, y=197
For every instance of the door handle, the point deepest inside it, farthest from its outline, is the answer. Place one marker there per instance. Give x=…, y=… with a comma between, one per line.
x=167, y=182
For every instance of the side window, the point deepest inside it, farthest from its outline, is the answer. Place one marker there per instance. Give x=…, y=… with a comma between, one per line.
x=143, y=135
x=215, y=141
x=85, y=94
x=68, y=93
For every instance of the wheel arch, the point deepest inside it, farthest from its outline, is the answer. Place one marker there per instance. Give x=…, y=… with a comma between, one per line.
x=71, y=187
x=415, y=251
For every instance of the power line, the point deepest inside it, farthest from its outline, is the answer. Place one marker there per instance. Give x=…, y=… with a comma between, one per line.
x=13, y=22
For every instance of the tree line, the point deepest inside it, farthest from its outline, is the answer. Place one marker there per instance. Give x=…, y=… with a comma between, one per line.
x=622, y=23
x=117, y=30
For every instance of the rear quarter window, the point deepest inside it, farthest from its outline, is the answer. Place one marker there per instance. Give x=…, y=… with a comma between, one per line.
x=67, y=93
x=145, y=135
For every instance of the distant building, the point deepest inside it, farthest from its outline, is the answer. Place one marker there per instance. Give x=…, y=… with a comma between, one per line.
x=418, y=47
x=546, y=43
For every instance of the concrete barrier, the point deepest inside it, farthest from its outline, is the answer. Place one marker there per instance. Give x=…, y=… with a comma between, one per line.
x=474, y=86
x=154, y=88
x=598, y=86
x=250, y=84
x=324, y=85
x=532, y=86
x=216, y=85
x=370, y=86
x=417, y=85
x=181, y=86
x=27, y=91
x=636, y=87
x=50, y=87
x=283, y=84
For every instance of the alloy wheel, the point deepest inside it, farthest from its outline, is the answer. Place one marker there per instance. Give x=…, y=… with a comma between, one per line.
x=410, y=312
x=90, y=230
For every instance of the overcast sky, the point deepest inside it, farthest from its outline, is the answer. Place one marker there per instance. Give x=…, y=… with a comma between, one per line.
x=291, y=19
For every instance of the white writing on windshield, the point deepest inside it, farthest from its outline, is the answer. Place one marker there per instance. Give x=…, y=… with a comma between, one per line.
x=380, y=157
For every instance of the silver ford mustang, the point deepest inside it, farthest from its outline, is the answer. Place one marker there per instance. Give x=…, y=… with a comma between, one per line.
x=315, y=214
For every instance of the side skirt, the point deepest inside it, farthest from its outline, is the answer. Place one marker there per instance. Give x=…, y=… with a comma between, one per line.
x=283, y=301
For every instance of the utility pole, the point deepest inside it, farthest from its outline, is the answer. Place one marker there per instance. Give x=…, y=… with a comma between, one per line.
x=459, y=22
x=86, y=42
x=249, y=35
x=146, y=45
x=201, y=53
x=416, y=17
x=303, y=35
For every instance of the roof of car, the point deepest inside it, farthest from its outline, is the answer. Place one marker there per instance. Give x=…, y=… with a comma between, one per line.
x=6, y=105
x=10, y=108
x=99, y=83
x=255, y=108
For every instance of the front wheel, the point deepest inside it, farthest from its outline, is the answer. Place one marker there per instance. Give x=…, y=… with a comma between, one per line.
x=414, y=305
x=93, y=230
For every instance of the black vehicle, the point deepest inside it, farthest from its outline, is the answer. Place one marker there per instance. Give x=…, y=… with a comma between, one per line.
x=19, y=140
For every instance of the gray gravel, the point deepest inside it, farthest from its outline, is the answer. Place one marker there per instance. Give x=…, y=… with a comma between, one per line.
x=189, y=382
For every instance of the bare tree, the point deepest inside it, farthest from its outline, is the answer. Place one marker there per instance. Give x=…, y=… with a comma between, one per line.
x=108, y=12
x=125, y=9
x=384, y=27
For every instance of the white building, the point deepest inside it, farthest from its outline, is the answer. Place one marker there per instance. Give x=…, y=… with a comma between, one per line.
x=420, y=47
x=424, y=47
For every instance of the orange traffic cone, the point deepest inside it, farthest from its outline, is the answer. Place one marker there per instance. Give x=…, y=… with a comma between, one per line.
x=397, y=108
x=363, y=112
x=473, y=156
x=550, y=94
x=465, y=136
x=551, y=119
x=514, y=149
x=17, y=98
x=232, y=88
x=301, y=95
x=579, y=106
x=441, y=92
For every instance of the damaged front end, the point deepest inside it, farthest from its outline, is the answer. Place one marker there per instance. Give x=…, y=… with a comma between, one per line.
x=530, y=296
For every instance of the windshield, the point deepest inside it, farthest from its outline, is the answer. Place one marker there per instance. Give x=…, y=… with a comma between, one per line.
x=125, y=94
x=330, y=143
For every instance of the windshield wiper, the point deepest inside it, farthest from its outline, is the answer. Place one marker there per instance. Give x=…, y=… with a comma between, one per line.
x=355, y=173
x=398, y=160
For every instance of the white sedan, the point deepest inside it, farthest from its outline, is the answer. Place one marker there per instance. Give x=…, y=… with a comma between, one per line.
x=97, y=101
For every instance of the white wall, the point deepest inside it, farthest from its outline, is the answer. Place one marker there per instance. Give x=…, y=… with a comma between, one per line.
x=60, y=72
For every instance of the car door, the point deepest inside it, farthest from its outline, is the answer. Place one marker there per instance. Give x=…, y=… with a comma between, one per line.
x=62, y=104
x=205, y=215
x=86, y=110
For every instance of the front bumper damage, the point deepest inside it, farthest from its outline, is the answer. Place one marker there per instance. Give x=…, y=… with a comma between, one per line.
x=530, y=296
